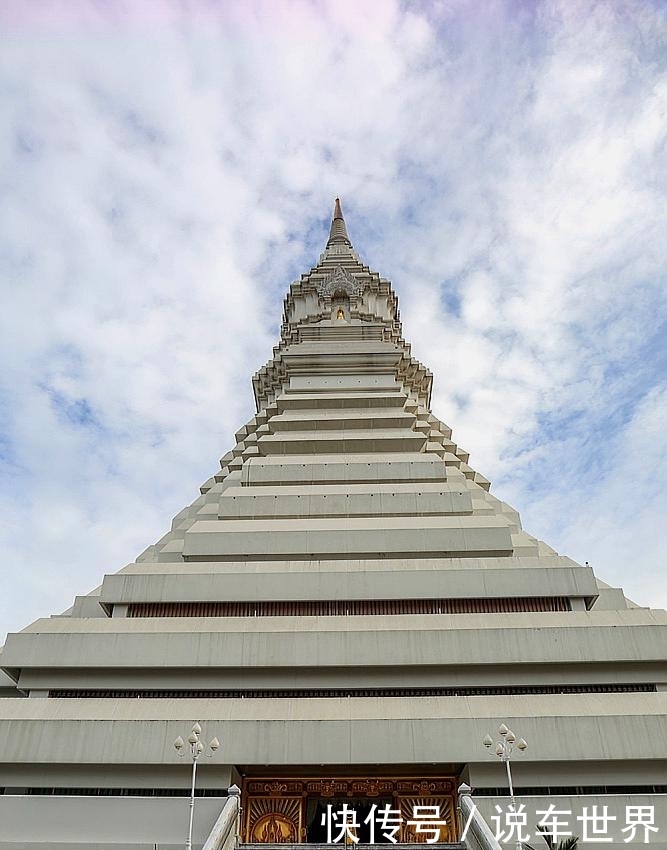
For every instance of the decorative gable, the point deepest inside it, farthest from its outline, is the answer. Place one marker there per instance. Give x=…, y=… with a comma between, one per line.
x=339, y=281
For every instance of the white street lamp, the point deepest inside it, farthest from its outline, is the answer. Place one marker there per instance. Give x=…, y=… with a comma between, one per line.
x=196, y=748
x=504, y=748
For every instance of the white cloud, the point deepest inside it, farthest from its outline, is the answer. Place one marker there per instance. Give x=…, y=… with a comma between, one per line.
x=614, y=518
x=166, y=173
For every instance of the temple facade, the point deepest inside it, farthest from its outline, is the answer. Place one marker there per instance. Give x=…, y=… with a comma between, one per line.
x=348, y=608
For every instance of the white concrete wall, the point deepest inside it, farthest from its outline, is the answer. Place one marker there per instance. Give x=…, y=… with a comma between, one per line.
x=69, y=822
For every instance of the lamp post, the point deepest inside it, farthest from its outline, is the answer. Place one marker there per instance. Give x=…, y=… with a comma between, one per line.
x=504, y=749
x=196, y=749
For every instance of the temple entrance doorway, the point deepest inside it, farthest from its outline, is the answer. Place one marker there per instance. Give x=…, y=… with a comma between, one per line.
x=310, y=810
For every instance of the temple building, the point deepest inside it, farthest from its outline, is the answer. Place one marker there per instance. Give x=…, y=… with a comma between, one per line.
x=348, y=608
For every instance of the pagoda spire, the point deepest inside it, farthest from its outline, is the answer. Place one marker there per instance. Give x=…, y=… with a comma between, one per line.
x=338, y=232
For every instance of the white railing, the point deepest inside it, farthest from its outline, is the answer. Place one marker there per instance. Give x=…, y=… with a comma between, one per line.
x=477, y=834
x=224, y=835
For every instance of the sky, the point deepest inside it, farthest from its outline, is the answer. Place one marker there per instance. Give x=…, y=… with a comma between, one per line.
x=168, y=168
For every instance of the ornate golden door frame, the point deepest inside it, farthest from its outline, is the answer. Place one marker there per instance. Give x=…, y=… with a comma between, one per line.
x=275, y=809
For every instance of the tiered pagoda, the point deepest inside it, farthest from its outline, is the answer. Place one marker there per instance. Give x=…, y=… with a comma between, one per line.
x=350, y=611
